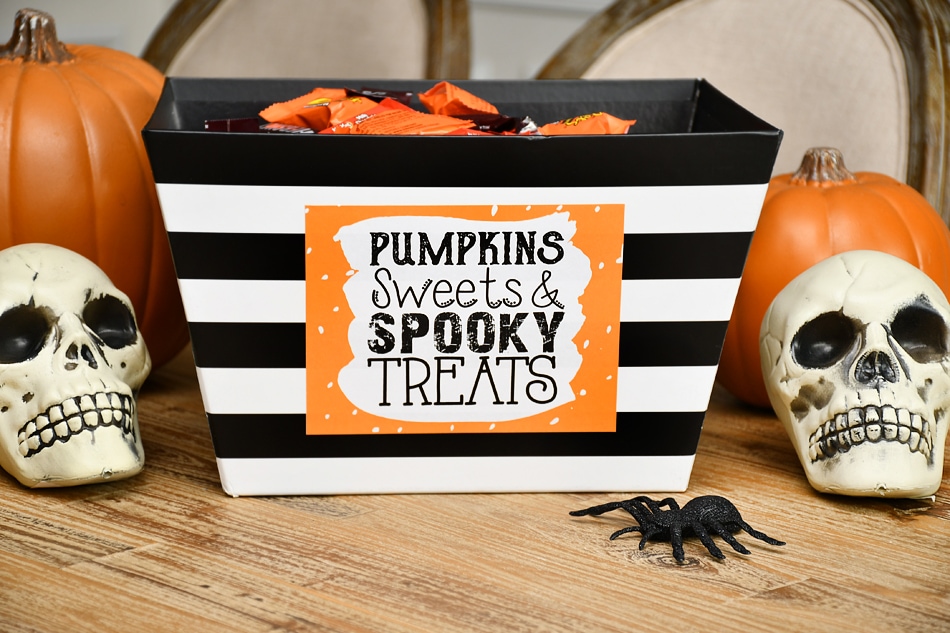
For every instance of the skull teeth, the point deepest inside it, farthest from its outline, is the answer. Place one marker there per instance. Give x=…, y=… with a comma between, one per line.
x=76, y=415
x=871, y=424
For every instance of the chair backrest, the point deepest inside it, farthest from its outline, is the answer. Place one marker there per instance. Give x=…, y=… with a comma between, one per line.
x=870, y=77
x=405, y=39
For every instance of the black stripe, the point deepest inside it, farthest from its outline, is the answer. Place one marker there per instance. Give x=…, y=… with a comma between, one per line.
x=268, y=436
x=685, y=255
x=272, y=345
x=463, y=162
x=238, y=255
x=281, y=255
x=252, y=345
x=671, y=343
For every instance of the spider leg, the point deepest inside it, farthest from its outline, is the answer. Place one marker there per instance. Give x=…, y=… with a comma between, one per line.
x=762, y=536
x=626, y=530
x=647, y=534
x=655, y=506
x=598, y=510
x=727, y=536
x=676, y=539
x=700, y=531
x=636, y=509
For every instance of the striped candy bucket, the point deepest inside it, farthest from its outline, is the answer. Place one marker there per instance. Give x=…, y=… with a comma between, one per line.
x=407, y=314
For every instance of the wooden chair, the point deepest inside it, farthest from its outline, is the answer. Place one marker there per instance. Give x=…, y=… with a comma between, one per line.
x=405, y=39
x=870, y=77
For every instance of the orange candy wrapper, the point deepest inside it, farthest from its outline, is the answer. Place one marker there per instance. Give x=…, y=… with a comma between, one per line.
x=594, y=123
x=393, y=118
x=450, y=100
x=452, y=111
x=474, y=132
x=318, y=109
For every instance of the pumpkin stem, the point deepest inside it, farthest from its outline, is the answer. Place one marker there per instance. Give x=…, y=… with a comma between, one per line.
x=822, y=167
x=34, y=39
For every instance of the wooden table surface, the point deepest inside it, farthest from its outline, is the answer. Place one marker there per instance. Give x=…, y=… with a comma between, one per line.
x=168, y=550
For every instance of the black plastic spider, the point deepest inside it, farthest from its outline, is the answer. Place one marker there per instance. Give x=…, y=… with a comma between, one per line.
x=698, y=517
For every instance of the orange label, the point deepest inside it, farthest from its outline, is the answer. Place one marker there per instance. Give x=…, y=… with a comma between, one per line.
x=472, y=319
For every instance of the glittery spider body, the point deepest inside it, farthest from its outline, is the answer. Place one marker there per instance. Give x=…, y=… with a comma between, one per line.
x=698, y=517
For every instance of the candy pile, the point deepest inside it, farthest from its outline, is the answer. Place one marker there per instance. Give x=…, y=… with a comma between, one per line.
x=452, y=111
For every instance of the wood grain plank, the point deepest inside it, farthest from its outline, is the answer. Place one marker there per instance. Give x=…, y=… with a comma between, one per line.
x=176, y=553
x=227, y=592
x=52, y=542
x=822, y=605
x=38, y=597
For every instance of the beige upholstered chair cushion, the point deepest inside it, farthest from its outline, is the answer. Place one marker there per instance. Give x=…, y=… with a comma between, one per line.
x=308, y=38
x=827, y=72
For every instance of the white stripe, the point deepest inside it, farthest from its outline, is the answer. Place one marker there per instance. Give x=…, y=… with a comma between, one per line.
x=677, y=299
x=650, y=389
x=700, y=209
x=273, y=209
x=255, y=301
x=232, y=209
x=659, y=389
x=228, y=390
x=391, y=475
x=244, y=301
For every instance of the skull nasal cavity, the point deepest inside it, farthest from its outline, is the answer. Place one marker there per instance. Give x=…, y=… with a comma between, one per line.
x=874, y=366
x=73, y=352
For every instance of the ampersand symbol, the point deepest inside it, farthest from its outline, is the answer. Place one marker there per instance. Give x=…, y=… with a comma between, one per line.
x=545, y=293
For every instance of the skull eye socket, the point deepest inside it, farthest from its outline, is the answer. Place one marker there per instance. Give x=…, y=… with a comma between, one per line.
x=111, y=320
x=823, y=341
x=921, y=332
x=23, y=332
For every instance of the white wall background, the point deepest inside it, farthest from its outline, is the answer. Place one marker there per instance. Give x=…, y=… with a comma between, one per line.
x=511, y=39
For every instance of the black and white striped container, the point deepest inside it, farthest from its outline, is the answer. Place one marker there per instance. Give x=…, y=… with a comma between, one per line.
x=691, y=175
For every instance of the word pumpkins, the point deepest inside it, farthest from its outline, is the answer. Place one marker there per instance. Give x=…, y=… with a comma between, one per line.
x=74, y=172
x=819, y=211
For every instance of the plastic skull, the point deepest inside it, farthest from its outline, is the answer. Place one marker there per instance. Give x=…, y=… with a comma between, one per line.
x=71, y=363
x=855, y=359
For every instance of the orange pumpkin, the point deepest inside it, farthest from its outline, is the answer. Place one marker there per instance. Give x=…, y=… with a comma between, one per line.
x=74, y=171
x=819, y=211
